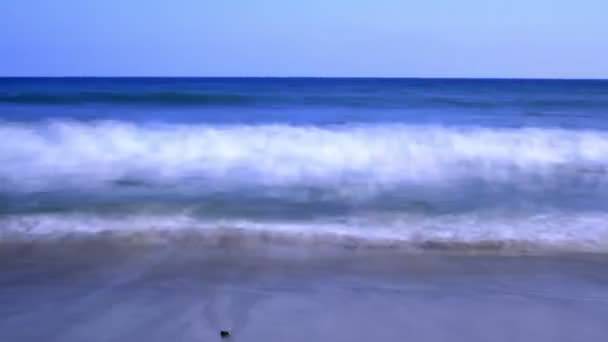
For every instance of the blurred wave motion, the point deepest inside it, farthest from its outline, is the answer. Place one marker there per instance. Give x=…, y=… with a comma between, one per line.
x=412, y=164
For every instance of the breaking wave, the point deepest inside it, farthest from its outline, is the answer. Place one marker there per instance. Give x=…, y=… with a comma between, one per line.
x=56, y=154
x=243, y=182
x=548, y=232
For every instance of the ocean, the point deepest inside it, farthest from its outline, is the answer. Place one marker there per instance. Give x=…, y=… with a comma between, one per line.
x=305, y=209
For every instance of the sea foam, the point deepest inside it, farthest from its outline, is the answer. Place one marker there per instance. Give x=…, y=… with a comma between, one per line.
x=490, y=232
x=42, y=156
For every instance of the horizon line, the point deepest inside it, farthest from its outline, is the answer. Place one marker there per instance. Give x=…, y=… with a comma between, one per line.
x=314, y=77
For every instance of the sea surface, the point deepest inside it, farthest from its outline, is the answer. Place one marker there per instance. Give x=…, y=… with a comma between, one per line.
x=301, y=208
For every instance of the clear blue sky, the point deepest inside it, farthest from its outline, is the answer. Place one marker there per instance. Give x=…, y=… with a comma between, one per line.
x=389, y=38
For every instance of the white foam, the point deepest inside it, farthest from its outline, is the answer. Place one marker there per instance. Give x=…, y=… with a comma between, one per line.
x=39, y=156
x=581, y=232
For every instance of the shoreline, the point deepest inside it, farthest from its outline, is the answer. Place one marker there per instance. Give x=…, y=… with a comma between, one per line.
x=298, y=294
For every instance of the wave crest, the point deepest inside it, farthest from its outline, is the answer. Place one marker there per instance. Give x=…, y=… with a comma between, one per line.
x=42, y=156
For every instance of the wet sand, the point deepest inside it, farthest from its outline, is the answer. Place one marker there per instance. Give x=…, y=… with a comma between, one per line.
x=80, y=292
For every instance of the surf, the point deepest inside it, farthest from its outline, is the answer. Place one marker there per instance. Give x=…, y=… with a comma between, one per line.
x=39, y=156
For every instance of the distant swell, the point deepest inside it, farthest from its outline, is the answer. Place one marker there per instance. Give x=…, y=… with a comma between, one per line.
x=393, y=99
x=156, y=98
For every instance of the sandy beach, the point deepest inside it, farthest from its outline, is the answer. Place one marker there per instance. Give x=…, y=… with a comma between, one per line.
x=79, y=292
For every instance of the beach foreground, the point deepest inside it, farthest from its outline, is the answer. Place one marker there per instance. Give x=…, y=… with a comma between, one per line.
x=81, y=291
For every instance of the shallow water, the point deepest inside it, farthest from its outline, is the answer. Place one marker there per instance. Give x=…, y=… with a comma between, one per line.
x=85, y=292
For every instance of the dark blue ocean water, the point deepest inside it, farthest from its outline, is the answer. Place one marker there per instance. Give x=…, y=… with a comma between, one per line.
x=412, y=162
x=309, y=101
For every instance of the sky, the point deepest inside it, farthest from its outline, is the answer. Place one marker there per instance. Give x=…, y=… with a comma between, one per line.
x=317, y=38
